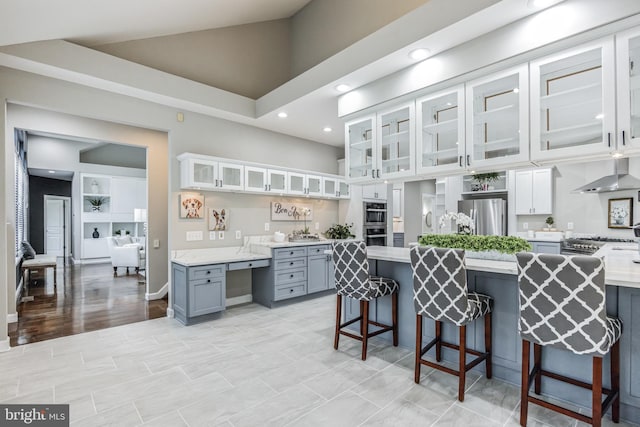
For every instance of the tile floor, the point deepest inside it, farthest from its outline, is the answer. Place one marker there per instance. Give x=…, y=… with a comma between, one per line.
x=252, y=367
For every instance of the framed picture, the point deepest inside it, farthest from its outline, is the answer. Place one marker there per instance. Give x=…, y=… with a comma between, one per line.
x=218, y=219
x=620, y=213
x=191, y=206
x=289, y=211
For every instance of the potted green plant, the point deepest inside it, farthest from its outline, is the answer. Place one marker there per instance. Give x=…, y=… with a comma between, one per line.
x=96, y=203
x=549, y=221
x=484, y=179
x=501, y=248
x=339, y=231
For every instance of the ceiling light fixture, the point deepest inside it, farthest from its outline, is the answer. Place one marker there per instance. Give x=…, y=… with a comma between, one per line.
x=600, y=116
x=327, y=129
x=538, y=4
x=283, y=115
x=52, y=171
x=419, y=54
x=342, y=87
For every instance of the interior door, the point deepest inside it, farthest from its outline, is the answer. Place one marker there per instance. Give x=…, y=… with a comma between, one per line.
x=54, y=227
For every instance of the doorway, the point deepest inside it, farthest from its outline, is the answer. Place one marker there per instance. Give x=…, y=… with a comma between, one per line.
x=57, y=230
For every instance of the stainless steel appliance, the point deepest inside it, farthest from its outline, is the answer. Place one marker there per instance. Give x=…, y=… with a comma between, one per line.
x=375, y=223
x=588, y=245
x=488, y=215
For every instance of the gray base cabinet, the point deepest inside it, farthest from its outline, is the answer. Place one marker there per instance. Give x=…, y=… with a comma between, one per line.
x=197, y=291
x=294, y=272
x=546, y=247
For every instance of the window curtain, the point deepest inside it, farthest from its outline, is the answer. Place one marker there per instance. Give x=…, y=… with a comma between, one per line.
x=21, y=188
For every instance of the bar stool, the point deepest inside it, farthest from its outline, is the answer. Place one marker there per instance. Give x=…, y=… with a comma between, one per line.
x=351, y=270
x=562, y=304
x=440, y=293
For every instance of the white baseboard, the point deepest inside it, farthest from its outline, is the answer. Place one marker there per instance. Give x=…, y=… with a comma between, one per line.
x=158, y=295
x=170, y=312
x=12, y=318
x=91, y=261
x=19, y=291
x=242, y=299
x=4, y=345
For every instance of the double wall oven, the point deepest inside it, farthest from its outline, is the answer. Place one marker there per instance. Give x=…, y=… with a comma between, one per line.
x=375, y=223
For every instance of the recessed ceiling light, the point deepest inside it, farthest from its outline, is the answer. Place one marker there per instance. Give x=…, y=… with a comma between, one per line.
x=342, y=87
x=283, y=115
x=327, y=129
x=539, y=3
x=600, y=116
x=419, y=54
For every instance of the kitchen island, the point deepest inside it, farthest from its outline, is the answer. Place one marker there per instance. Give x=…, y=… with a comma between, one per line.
x=499, y=280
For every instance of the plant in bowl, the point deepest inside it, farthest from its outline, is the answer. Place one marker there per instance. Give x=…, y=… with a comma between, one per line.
x=489, y=247
x=549, y=221
x=484, y=179
x=96, y=203
x=339, y=231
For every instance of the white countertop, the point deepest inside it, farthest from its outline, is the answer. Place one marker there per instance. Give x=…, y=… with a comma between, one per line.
x=193, y=257
x=620, y=270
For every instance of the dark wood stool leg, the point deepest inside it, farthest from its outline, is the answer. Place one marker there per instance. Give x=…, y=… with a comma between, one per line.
x=361, y=318
x=487, y=344
x=438, y=341
x=537, y=362
x=524, y=385
x=365, y=334
x=463, y=361
x=615, y=381
x=596, y=401
x=416, y=375
x=338, y=319
x=115, y=271
x=394, y=317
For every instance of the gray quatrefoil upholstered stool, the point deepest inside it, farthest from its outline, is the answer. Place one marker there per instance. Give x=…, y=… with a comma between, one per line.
x=440, y=293
x=562, y=304
x=351, y=269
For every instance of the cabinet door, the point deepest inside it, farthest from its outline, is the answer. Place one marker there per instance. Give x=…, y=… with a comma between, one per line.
x=396, y=142
x=542, y=191
x=546, y=248
x=497, y=119
x=197, y=173
x=206, y=296
x=124, y=196
x=344, y=190
x=255, y=179
x=359, y=149
x=381, y=191
x=314, y=185
x=296, y=183
x=573, y=102
x=369, y=191
x=317, y=273
x=628, y=84
x=524, y=184
x=440, y=139
x=330, y=187
x=277, y=181
x=231, y=176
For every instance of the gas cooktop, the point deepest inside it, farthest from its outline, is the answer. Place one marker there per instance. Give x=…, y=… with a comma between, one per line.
x=589, y=245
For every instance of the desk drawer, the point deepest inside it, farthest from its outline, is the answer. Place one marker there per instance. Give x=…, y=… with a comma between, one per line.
x=292, y=275
x=207, y=271
x=241, y=265
x=290, y=291
x=318, y=249
x=290, y=263
x=283, y=253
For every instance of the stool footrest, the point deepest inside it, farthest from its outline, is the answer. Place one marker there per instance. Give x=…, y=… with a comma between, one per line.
x=560, y=409
x=565, y=379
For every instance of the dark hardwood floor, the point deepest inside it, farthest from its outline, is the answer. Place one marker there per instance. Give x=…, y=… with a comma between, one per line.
x=86, y=298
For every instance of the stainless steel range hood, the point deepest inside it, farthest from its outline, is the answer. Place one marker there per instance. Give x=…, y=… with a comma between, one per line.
x=620, y=180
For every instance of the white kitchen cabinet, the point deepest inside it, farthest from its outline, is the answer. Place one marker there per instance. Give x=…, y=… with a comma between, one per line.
x=440, y=120
x=359, y=149
x=374, y=191
x=628, y=91
x=230, y=176
x=395, y=148
x=264, y=180
x=573, y=106
x=296, y=183
x=344, y=189
x=497, y=118
x=330, y=187
x=534, y=192
x=277, y=181
x=313, y=184
x=200, y=173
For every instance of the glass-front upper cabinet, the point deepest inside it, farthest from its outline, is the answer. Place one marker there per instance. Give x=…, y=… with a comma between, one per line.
x=197, y=173
x=440, y=123
x=497, y=119
x=230, y=176
x=573, y=102
x=628, y=95
x=395, y=146
x=359, y=149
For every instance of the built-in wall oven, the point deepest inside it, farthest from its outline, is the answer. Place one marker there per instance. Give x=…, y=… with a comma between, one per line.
x=375, y=223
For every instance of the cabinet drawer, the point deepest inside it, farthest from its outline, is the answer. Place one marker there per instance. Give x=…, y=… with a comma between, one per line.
x=283, y=253
x=290, y=263
x=196, y=273
x=241, y=265
x=290, y=291
x=292, y=275
x=319, y=249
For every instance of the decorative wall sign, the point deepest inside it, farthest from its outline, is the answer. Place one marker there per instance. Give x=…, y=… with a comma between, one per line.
x=191, y=205
x=218, y=219
x=290, y=211
x=620, y=213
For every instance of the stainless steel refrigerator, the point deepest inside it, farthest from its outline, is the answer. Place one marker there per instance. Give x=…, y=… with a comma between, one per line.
x=488, y=215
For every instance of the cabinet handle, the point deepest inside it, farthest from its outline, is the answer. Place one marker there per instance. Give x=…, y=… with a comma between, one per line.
x=265, y=187
x=460, y=161
x=468, y=160
x=378, y=173
x=623, y=141
x=609, y=139
x=373, y=173
x=220, y=183
x=269, y=187
x=290, y=290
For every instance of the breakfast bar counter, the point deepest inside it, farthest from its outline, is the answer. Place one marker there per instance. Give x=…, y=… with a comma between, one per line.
x=499, y=280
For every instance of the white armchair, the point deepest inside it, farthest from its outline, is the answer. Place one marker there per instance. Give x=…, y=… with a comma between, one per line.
x=124, y=252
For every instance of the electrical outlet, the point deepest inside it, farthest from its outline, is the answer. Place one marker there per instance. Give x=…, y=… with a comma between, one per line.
x=156, y=243
x=238, y=234
x=212, y=235
x=266, y=226
x=569, y=226
x=194, y=235
x=317, y=226
x=221, y=235
x=525, y=225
